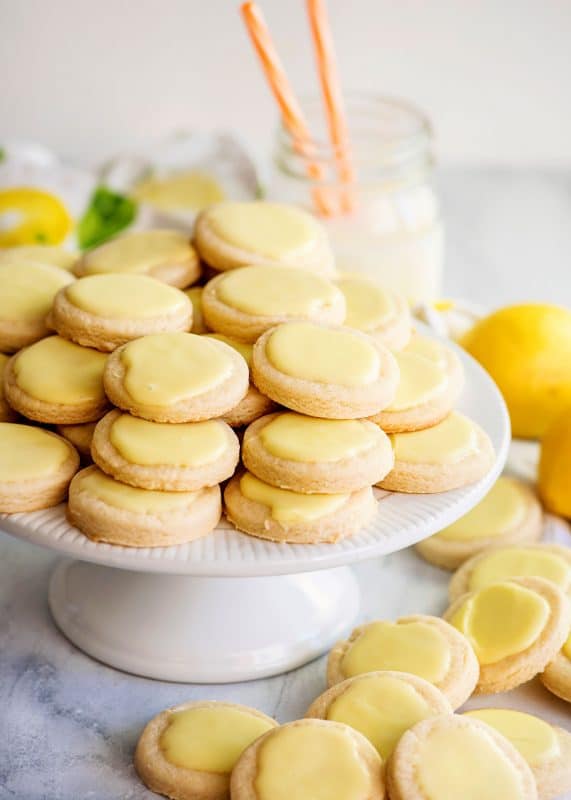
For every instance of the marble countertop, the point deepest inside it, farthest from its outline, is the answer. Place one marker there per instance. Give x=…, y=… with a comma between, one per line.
x=68, y=725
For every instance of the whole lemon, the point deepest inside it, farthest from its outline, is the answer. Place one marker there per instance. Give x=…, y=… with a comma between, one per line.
x=527, y=351
x=554, y=476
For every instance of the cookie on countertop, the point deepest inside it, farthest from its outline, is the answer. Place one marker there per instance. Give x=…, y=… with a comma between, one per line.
x=557, y=674
x=176, y=377
x=188, y=751
x=80, y=436
x=324, y=371
x=510, y=513
x=306, y=759
x=106, y=510
x=166, y=255
x=515, y=626
x=279, y=515
x=36, y=467
x=422, y=645
x=164, y=457
x=229, y=235
x=57, y=381
x=451, y=454
x=105, y=311
x=312, y=455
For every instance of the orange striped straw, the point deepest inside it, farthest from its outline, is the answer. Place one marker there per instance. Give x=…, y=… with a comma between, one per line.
x=332, y=96
x=282, y=90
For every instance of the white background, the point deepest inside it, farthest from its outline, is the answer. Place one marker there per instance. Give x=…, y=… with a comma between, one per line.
x=91, y=77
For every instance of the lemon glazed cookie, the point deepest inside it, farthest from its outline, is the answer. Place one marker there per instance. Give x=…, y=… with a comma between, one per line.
x=80, y=436
x=230, y=235
x=515, y=627
x=176, y=377
x=165, y=255
x=322, y=371
x=557, y=674
x=265, y=511
x=510, y=513
x=546, y=748
x=165, y=457
x=549, y=561
x=422, y=645
x=380, y=705
x=383, y=314
x=27, y=290
x=308, y=759
x=106, y=510
x=36, y=467
x=451, y=454
x=57, y=381
x=7, y=414
x=188, y=751
x=105, y=311
x=246, y=302
x=454, y=757
x=312, y=455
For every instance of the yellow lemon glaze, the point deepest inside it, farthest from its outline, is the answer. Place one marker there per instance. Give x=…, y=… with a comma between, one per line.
x=310, y=439
x=535, y=739
x=32, y=216
x=308, y=762
x=124, y=296
x=195, y=296
x=452, y=440
x=566, y=649
x=368, y=305
x=129, y=498
x=57, y=371
x=27, y=289
x=243, y=348
x=420, y=381
x=463, y=763
x=382, y=708
x=165, y=368
x=210, y=739
x=501, y=620
x=501, y=510
x=427, y=348
x=414, y=647
x=284, y=290
x=189, y=444
x=27, y=452
x=140, y=251
x=43, y=254
x=184, y=190
x=286, y=506
x=324, y=355
x=521, y=562
x=267, y=229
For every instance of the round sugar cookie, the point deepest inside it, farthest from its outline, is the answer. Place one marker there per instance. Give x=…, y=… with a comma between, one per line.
x=166, y=255
x=422, y=645
x=279, y=515
x=194, y=294
x=323, y=371
x=188, y=751
x=230, y=235
x=312, y=455
x=557, y=674
x=380, y=705
x=80, y=436
x=454, y=757
x=431, y=381
x=308, y=759
x=549, y=561
x=176, y=377
x=27, y=290
x=515, y=626
x=546, y=748
x=105, y=311
x=57, y=381
x=383, y=314
x=165, y=457
x=510, y=513
x=106, y=510
x=42, y=254
x=451, y=454
x=36, y=467
x=246, y=302
x=7, y=414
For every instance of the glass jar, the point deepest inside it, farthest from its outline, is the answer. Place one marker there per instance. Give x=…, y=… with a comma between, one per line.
x=393, y=232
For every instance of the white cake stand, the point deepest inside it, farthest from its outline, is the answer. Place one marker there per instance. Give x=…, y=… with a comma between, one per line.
x=230, y=607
